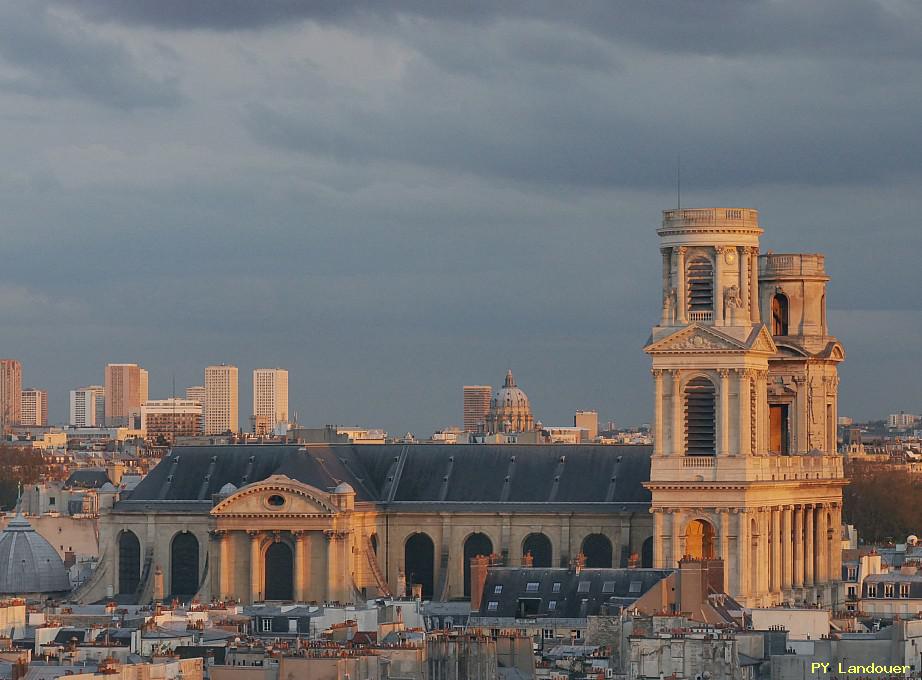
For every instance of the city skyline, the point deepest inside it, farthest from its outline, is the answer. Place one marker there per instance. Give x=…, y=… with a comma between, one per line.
x=473, y=189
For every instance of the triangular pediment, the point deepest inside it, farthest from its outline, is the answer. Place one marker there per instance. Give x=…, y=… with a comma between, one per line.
x=695, y=339
x=276, y=496
x=761, y=341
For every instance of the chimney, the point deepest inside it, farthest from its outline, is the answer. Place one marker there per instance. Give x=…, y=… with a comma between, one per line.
x=579, y=562
x=528, y=560
x=158, y=584
x=480, y=564
x=633, y=562
x=417, y=591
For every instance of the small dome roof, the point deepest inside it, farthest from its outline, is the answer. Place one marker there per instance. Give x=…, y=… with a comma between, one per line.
x=108, y=487
x=344, y=487
x=227, y=489
x=31, y=565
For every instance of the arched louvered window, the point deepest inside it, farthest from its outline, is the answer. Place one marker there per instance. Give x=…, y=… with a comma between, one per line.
x=700, y=417
x=780, y=314
x=699, y=278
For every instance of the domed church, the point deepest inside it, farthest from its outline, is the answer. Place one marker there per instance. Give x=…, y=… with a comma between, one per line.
x=509, y=409
x=744, y=469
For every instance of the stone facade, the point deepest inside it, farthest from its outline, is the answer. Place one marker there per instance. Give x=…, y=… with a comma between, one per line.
x=745, y=464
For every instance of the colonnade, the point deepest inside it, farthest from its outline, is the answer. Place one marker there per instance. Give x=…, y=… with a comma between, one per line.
x=333, y=585
x=771, y=554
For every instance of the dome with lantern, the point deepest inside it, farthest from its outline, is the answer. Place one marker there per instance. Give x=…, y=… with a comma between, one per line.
x=510, y=410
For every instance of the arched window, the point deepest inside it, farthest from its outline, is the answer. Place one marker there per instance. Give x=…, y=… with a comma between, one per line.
x=129, y=563
x=780, y=314
x=699, y=540
x=699, y=281
x=279, y=572
x=476, y=544
x=184, y=565
x=597, y=551
x=539, y=546
x=700, y=417
x=419, y=563
x=646, y=553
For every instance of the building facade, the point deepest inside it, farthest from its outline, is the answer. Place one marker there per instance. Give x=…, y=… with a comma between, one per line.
x=589, y=421
x=221, y=404
x=88, y=406
x=10, y=392
x=34, y=407
x=123, y=392
x=163, y=420
x=476, y=407
x=744, y=464
x=270, y=397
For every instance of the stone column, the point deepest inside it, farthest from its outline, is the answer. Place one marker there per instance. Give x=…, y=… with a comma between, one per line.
x=798, y=546
x=226, y=565
x=676, y=539
x=821, y=545
x=659, y=433
x=765, y=565
x=744, y=262
x=809, y=554
x=255, y=567
x=677, y=443
x=835, y=547
x=725, y=545
x=718, y=285
x=754, y=285
x=659, y=559
x=787, y=549
x=776, y=550
x=743, y=550
x=723, y=414
x=681, y=304
x=744, y=412
x=333, y=566
x=300, y=565
x=668, y=300
x=801, y=416
x=761, y=411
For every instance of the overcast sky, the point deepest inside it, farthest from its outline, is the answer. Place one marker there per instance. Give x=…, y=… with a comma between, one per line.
x=392, y=203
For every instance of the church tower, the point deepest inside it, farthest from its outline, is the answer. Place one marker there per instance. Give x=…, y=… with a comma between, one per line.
x=744, y=465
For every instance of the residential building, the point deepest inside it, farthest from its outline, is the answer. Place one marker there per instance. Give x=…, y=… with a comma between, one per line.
x=901, y=420
x=270, y=399
x=476, y=407
x=34, y=407
x=166, y=419
x=126, y=388
x=588, y=420
x=88, y=406
x=10, y=392
x=221, y=412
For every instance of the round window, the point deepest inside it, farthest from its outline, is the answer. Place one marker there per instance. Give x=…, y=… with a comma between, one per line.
x=275, y=501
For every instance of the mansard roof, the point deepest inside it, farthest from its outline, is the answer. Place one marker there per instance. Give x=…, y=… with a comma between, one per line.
x=408, y=476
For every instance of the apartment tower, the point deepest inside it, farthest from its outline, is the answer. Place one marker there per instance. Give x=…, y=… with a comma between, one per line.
x=221, y=413
x=34, y=407
x=10, y=392
x=476, y=406
x=270, y=397
x=125, y=390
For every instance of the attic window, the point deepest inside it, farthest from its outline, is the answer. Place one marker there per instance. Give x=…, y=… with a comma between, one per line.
x=497, y=589
x=583, y=587
x=531, y=587
x=552, y=605
x=275, y=501
x=608, y=587
x=556, y=588
x=492, y=606
x=635, y=587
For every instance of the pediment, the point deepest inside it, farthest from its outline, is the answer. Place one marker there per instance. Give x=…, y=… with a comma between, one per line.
x=762, y=341
x=834, y=350
x=695, y=339
x=792, y=351
x=276, y=496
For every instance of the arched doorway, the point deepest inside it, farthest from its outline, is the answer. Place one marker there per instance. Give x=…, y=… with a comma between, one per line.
x=476, y=544
x=279, y=571
x=419, y=563
x=699, y=540
x=646, y=553
x=129, y=563
x=184, y=565
x=598, y=552
x=539, y=546
x=700, y=417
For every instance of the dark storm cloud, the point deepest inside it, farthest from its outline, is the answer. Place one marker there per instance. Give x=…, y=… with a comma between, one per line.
x=54, y=58
x=729, y=27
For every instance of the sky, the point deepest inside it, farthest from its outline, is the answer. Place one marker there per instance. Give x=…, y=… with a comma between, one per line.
x=392, y=200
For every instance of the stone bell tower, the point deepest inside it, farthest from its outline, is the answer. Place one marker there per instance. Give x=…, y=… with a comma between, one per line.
x=721, y=484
